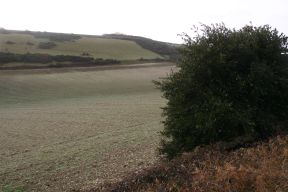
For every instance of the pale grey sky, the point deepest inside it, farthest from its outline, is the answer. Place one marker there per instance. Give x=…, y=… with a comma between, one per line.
x=156, y=19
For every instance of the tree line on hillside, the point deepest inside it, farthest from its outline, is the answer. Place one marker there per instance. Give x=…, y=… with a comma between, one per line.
x=58, y=37
x=166, y=50
x=162, y=48
x=45, y=58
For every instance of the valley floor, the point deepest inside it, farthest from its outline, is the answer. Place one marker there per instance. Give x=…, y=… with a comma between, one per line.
x=74, y=129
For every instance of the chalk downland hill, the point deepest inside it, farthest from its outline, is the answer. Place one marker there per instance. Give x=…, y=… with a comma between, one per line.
x=113, y=47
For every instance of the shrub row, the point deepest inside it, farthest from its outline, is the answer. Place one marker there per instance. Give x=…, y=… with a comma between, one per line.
x=46, y=45
x=59, y=37
x=45, y=58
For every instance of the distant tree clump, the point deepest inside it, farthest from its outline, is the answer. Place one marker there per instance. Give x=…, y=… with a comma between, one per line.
x=232, y=86
x=85, y=54
x=29, y=43
x=57, y=37
x=10, y=42
x=46, y=45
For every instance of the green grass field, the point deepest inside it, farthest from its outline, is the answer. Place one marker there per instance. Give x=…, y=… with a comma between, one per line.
x=75, y=129
x=97, y=47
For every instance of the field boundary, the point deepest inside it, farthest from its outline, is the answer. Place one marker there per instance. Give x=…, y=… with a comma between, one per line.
x=84, y=69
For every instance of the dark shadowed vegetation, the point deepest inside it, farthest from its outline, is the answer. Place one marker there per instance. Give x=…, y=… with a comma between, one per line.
x=29, y=43
x=10, y=42
x=51, y=60
x=167, y=50
x=232, y=86
x=46, y=45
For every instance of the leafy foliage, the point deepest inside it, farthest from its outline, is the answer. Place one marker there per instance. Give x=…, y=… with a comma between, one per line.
x=232, y=86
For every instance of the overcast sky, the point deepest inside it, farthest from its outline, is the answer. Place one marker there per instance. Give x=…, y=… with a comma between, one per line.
x=156, y=19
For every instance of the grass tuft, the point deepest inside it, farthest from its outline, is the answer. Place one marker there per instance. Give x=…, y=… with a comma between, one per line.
x=9, y=188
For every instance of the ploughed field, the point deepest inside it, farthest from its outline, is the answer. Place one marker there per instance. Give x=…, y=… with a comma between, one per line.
x=64, y=130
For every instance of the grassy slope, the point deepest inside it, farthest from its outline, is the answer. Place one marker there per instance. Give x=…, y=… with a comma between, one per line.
x=63, y=131
x=95, y=46
x=168, y=50
x=262, y=168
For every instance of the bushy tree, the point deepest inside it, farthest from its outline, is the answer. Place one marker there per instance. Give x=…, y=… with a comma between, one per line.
x=232, y=85
x=47, y=45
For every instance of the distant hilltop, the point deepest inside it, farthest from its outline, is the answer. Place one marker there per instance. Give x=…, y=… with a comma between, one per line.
x=105, y=46
x=32, y=49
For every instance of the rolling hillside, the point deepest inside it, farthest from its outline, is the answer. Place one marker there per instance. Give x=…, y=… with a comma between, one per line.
x=122, y=48
x=57, y=129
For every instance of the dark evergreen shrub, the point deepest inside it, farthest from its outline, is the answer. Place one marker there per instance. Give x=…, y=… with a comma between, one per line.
x=232, y=85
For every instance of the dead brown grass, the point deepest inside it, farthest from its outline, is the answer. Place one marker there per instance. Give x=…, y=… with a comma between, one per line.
x=262, y=168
